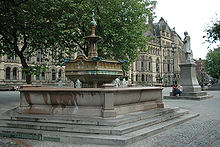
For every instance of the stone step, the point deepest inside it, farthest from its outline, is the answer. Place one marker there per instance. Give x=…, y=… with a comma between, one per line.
x=188, y=97
x=122, y=119
x=118, y=130
x=83, y=138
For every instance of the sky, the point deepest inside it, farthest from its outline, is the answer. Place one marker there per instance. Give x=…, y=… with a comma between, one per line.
x=192, y=16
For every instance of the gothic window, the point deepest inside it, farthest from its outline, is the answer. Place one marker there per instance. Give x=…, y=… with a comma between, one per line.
x=60, y=74
x=37, y=77
x=149, y=64
x=168, y=66
x=142, y=77
x=14, y=73
x=43, y=76
x=157, y=65
x=23, y=75
x=53, y=74
x=8, y=73
x=164, y=70
x=136, y=78
x=39, y=56
x=142, y=65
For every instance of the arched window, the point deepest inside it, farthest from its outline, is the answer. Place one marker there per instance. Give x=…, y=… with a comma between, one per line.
x=14, y=73
x=8, y=73
x=60, y=74
x=150, y=63
x=43, y=76
x=142, y=65
x=53, y=74
x=136, y=78
x=168, y=66
x=157, y=65
x=142, y=78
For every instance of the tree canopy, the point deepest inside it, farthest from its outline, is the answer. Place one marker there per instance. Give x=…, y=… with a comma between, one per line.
x=213, y=33
x=212, y=63
x=56, y=28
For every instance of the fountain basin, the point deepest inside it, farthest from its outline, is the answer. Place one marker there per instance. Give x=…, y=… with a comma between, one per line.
x=95, y=102
x=93, y=73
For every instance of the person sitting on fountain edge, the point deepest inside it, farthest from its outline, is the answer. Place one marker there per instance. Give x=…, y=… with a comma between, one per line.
x=176, y=90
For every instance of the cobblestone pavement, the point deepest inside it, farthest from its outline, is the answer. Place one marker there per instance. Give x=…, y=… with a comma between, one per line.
x=203, y=131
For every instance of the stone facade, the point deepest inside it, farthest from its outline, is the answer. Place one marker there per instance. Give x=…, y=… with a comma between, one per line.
x=11, y=72
x=160, y=64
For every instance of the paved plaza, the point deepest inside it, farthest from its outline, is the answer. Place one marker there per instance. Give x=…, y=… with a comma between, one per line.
x=203, y=131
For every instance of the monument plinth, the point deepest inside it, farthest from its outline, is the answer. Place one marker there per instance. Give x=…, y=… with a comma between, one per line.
x=188, y=77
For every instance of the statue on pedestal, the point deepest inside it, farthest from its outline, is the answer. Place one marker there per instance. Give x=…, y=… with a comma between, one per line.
x=187, y=47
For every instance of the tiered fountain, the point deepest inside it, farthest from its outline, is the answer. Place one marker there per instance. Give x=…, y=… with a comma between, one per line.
x=92, y=71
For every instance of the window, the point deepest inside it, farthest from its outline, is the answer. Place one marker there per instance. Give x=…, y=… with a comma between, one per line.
x=14, y=73
x=37, y=77
x=136, y=77
x=149, y=64
x=157, y=65
x=43, y=76
x=168, y=66
x=60, y=74
x=142, y=65
x=40, y=57
x=142, y=78
x=168, y=53
x=53, y=74
x=23, y=75
x=8, y=73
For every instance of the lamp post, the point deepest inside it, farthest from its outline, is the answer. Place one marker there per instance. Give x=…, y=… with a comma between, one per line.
x=173, y=51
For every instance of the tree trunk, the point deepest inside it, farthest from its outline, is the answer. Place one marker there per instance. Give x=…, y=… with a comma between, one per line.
x=27, y=71
x=26, y=67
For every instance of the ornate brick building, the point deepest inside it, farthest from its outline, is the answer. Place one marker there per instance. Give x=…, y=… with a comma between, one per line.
x=160, y=64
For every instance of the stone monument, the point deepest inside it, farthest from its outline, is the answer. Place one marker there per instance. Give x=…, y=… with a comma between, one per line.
x=191, y=87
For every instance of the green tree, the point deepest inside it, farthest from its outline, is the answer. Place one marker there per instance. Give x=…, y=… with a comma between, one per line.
x=56, y=28
x=212, y=63
x=213, y=33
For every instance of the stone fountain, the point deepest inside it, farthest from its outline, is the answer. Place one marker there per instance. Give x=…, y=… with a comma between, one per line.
x=95, y=115
x=93, y=71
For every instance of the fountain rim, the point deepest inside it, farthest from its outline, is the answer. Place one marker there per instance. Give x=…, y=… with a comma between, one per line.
x=43, y=89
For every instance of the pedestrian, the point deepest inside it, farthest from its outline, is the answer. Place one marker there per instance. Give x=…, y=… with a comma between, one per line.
x=180, y=87
x=176, y=89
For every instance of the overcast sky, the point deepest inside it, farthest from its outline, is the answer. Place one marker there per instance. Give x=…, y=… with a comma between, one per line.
x=191, y=16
